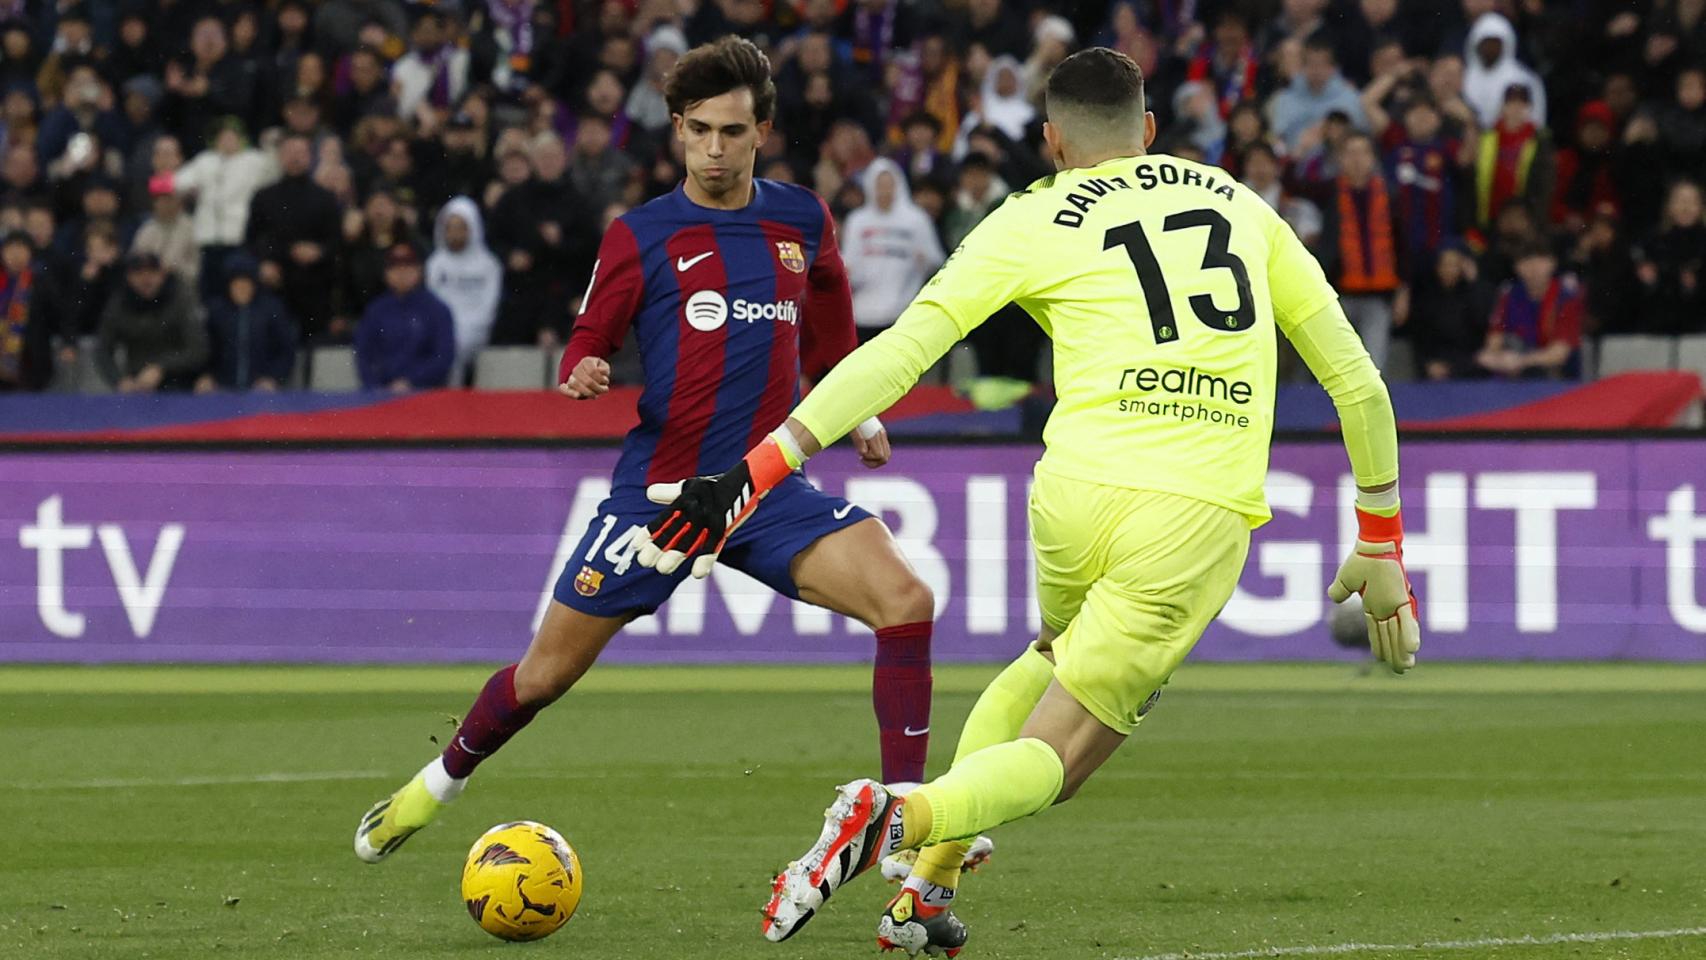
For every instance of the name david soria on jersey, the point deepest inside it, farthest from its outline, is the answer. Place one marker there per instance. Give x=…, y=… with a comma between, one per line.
x=1148, y=175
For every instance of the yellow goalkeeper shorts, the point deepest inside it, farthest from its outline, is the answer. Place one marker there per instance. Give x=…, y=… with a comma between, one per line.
x=1129, y=579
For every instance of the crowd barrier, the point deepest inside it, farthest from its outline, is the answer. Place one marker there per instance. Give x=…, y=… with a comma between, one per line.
x=1520, y=549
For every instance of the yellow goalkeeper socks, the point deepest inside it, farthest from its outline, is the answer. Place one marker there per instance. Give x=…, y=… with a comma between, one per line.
x=940, y=864
x=1005, y=705
x=915, y=820
x=993, y=786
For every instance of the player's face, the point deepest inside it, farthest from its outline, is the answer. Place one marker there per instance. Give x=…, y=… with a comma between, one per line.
x=720, y=138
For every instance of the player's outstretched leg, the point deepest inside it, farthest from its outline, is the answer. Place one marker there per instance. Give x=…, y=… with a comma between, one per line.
x=998, y=716
x=566, y=645
x=1061, y=744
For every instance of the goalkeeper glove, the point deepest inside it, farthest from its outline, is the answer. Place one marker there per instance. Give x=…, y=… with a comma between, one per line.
x=701, y=512
x=1375, y=569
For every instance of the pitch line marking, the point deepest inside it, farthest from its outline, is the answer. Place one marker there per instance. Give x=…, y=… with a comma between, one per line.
x=1345, y=949
x=127, y=783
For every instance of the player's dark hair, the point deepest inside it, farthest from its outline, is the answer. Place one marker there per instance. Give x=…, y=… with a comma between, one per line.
x=1098, y=78
x=715, y=68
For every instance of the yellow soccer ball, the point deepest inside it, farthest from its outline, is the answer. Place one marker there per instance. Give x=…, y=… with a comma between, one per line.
x=522, y=881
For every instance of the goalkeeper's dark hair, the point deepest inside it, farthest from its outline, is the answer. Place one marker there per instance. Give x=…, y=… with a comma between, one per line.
x=1097, y=80
x=713, y=69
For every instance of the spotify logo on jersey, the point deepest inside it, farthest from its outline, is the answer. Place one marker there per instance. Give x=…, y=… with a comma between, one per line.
x=707, y=310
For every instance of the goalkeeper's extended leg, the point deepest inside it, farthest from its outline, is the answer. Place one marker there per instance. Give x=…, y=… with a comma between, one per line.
x=998, y=716
x=1060, y=746
x=566, y=645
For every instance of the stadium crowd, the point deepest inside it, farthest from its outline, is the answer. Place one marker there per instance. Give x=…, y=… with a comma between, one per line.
x=193, y=190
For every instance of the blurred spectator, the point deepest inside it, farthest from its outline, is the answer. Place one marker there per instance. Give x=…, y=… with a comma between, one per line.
x=1423, y=164
x=1492, y=69
x=367, y=94
x=80, y=290
x=207, y=85
x=1514, y=162
x=1671, y=265
x=1448, y=319
x=890, y=247
x=18, y=123
x=20, y=175
x=26, y=360
x=1001, y=102
x=368, y=233
x=435, y=70
x=1360, y=247
x=19, y=59
x=1262, y=174
x=981, y=190
x=1298, y=111
x=338, y=23
x=1536, y=327
x=72, y=43
x=293, y=229
x=252, y=339
x=645, y=105
x=992, y=25
x=87, y=108
x=467, y=277
x=1227, y=66
x=1682, y=122
x=406, y=339
x=224, y=178
x=99, y=208
x=546, y=234
x=1587, y=171
x=1055, y=39
x=598, y=171
x=918, y=154
x=1600, y=257
x=169, y=236
x=151, y=337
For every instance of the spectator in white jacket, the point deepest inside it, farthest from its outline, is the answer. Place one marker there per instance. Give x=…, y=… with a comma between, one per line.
x=890, y=248
x=467, y=277
x=224, y=178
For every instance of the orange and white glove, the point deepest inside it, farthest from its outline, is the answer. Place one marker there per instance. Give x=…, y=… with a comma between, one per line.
x=1375, y=570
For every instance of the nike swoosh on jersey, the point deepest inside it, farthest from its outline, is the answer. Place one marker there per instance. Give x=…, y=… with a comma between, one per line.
x=916, y=733
x=842, y=513
x=684, y=264
x=480, y=753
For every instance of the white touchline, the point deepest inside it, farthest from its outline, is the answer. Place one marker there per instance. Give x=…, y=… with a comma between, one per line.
x=1346, y=949
x=117, y=783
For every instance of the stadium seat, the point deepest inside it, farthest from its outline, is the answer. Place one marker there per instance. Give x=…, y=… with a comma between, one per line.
x=1635, y=351
x=510, y=368
x=1691, y=354
x=332, y=370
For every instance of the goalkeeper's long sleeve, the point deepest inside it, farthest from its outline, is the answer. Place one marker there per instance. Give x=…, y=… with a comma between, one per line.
x=877, y=374
x=1330, y=346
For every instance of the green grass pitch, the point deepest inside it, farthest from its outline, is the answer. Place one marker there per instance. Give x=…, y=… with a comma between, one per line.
x=1518, y=812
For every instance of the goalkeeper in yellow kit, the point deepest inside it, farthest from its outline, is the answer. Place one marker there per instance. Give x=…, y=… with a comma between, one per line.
x=1163, y=284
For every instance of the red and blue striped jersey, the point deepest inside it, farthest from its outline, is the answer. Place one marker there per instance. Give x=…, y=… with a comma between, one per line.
x=729, y=307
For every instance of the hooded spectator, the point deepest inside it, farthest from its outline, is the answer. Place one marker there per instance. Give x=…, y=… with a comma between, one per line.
x=407, y=338
x=1491, y=69
x=152, y=323
x=293, y=229
x=252, y=339
x=467, y=277
x=1587, y=171
x=1001, y=101
x=890, y=247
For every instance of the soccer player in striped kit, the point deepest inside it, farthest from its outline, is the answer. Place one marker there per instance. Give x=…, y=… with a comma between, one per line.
x=734, y=288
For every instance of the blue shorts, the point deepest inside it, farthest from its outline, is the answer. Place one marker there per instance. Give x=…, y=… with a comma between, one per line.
x=603, y=579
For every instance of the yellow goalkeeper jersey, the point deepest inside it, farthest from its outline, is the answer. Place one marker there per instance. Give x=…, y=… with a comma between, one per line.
x=1162, y=283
